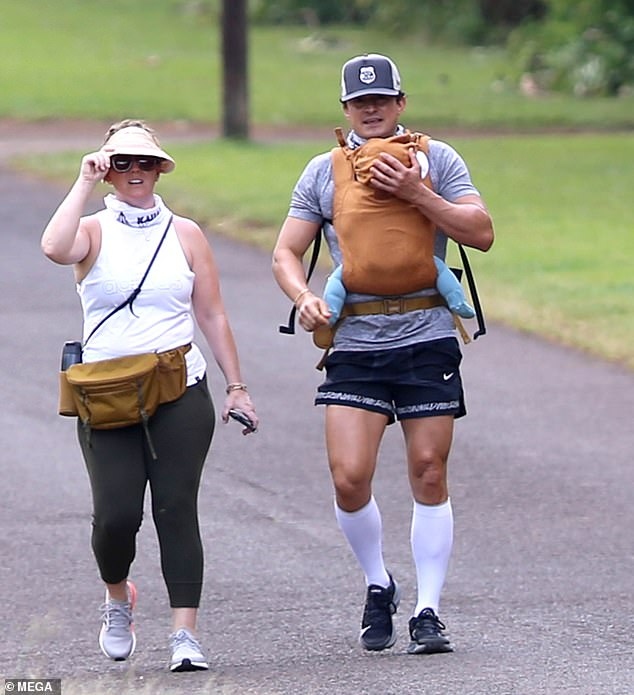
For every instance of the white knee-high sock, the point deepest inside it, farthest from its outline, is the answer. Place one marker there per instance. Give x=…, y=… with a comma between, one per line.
x=363, y=530
x=431, y=540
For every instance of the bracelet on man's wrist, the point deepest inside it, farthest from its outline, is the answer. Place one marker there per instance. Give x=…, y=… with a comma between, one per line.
x=300, y=295
x=235, y=386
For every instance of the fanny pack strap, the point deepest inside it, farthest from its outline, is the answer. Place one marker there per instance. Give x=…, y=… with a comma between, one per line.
x=135, y=293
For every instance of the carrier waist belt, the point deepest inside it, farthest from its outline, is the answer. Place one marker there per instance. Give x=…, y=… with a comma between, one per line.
x=393, y=305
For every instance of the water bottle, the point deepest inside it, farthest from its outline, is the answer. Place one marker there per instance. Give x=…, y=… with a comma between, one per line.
x=71, y=353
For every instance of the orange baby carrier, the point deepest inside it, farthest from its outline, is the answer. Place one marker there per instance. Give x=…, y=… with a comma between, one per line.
x=387, y=244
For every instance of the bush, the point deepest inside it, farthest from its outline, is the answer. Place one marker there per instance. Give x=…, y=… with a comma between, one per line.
x=582, y=48
x=314, y=13
x=456, y=21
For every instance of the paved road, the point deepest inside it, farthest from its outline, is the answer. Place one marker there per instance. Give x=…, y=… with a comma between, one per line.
x=539, y=595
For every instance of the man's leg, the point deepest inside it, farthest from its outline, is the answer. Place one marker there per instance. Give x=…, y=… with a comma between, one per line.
x=428, y=443
x=352, y=437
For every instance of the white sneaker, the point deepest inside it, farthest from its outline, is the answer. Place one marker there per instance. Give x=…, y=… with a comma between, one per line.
x=116, y=637
x=186, y=652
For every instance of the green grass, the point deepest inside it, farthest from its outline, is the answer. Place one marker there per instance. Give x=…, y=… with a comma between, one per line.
x=561, y=263
x=561, y=203
x=90, y=59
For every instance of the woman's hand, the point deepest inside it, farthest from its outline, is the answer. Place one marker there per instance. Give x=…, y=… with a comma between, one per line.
x=94, y=167
x=239, y=399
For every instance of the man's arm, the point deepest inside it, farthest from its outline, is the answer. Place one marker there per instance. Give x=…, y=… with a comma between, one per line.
x=465, y=220
x=293, y=241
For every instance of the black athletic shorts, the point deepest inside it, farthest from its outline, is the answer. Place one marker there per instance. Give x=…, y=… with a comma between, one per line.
x=420, y=380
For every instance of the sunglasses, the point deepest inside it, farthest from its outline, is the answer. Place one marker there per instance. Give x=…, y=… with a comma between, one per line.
x=123, y=162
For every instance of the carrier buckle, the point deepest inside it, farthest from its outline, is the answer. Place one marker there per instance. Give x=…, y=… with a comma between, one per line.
x=394, y=305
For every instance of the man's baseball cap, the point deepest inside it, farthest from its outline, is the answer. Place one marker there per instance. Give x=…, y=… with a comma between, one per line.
x=369, y=74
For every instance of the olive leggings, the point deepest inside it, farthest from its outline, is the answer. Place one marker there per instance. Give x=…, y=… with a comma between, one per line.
x=120, y=466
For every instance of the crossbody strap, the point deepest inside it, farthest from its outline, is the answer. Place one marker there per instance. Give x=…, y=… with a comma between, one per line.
x=135, y=293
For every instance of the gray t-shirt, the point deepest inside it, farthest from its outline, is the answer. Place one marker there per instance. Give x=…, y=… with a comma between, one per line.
x=312, y=200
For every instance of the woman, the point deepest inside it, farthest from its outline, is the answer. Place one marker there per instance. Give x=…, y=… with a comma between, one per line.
x=110, y=252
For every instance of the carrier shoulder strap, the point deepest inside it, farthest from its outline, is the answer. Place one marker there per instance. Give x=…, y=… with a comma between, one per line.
x=135, y=293
x=342, y=169
x=473, y=290
x=289, y=329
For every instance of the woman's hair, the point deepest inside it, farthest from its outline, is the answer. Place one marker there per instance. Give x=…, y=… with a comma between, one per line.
x=130, y=123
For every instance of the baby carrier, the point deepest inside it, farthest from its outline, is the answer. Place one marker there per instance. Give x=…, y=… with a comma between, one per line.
x=387, y=245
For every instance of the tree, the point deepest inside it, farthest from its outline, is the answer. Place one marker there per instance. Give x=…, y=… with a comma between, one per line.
x=511, y=13
x=235, y=98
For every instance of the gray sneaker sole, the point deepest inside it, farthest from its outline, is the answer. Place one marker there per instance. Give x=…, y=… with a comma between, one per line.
x=430, y=646
x=117, y=657
x=188, y=665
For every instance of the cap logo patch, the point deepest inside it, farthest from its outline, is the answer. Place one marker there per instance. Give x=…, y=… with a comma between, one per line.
x=367, y=75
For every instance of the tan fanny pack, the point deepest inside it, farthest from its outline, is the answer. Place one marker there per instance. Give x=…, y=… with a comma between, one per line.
x=122, y=391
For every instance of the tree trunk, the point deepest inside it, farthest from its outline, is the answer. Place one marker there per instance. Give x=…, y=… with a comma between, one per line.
x=235, y=101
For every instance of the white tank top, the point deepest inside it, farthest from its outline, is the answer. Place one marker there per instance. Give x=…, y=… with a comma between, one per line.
x=161, y=317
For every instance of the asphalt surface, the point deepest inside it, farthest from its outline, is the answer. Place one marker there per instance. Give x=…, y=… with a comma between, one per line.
x=539, y=593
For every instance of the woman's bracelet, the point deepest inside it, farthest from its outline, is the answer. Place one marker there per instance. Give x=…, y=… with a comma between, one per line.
x=235, y=386
x=300, y=295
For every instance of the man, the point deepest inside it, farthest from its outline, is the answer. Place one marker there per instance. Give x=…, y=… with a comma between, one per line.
x=392, y=359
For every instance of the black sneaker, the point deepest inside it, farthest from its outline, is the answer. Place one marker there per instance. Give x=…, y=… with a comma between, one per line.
x=425, y=631
x=377, y=630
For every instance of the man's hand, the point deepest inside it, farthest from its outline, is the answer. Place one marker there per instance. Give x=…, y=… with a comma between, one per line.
x=391, y=176
x=312, y=312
